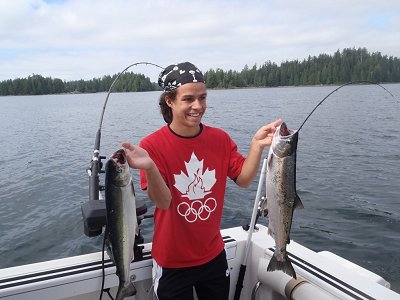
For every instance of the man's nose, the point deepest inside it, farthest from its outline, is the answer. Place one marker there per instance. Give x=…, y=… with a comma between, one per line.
x=197, y=103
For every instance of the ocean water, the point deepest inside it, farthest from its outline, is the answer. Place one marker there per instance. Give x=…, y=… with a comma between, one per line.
x=348, y=167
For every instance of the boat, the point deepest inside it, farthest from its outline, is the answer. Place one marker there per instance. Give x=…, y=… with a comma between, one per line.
x=320, y=275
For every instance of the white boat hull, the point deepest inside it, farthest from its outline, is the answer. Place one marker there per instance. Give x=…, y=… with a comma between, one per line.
x=324, y=275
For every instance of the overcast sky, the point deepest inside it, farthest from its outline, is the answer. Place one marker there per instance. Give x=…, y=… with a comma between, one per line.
x=85, y=39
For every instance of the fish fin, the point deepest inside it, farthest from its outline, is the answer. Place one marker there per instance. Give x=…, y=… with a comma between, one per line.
x=270, y=232
x=125, y=291
x=269, y=160
x=109, y=249
x=297, y=202
x=285, y=266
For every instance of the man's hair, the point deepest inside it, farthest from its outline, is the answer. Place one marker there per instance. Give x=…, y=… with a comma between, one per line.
x=165, y=110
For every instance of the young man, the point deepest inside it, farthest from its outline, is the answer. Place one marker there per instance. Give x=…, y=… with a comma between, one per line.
x=184, y=166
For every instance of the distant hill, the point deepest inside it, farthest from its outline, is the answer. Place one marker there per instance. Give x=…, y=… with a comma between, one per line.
x=341, y=67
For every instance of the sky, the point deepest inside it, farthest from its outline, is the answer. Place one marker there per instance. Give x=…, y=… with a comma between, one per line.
x=85, y=39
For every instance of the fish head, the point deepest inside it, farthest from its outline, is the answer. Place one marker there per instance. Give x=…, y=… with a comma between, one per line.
x=284, y=142
x=117, y=169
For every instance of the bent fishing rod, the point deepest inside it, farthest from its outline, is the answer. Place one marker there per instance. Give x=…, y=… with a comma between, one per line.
x=95, y=164
x=255, y=215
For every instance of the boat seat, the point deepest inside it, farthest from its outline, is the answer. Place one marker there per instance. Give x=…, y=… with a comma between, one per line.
x=94, y=215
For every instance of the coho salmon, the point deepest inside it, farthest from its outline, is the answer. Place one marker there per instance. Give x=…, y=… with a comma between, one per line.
x=121, y=226
x=282, y=197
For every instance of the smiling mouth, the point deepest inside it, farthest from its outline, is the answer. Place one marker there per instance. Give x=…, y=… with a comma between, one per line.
x=195, y=115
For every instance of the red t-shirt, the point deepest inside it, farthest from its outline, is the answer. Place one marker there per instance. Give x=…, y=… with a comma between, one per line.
x=195, y=169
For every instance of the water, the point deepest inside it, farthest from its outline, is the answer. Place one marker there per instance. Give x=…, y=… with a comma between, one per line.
x=347, y=174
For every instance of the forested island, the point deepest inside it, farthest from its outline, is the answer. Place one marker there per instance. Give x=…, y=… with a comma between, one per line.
x=347, y=65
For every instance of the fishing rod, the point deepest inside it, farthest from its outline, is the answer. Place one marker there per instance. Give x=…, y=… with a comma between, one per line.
x=95, y=165
x=95, y=168
x=338, y=88
x=243, y=266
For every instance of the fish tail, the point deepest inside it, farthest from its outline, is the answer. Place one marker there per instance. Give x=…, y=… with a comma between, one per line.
x=285, y=265
x=125, y=291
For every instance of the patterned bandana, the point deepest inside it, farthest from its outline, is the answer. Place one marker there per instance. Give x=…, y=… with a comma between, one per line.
x=176, y=75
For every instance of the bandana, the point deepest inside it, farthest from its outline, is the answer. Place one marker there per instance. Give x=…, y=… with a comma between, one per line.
x=176, y=75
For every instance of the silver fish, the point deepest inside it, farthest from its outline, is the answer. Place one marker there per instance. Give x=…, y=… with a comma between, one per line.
x=282, y=197
x=122, y=223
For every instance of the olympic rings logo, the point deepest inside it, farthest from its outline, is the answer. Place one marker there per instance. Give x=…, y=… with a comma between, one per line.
x=197, y=210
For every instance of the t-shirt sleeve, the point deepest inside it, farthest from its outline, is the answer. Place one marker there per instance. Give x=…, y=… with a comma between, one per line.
x=236, y=161
x=150, y=149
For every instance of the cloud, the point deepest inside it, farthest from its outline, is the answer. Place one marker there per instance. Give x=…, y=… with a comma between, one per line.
x=82, y=39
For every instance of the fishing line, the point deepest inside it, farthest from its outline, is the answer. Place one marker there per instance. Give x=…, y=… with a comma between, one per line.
x=338, y=88
x=102, y=263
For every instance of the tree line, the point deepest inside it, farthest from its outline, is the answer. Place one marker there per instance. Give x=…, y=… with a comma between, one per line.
x=39, y=85
x=345, y=66
x=350, y=64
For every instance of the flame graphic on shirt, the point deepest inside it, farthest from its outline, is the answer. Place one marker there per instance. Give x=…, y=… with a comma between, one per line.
x=196, y=184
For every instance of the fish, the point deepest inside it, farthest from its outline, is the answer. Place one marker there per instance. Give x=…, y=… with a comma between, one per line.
x=281, y=195
x=121, y=224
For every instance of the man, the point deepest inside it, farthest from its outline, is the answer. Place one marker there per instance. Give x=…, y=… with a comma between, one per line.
x=184, y=166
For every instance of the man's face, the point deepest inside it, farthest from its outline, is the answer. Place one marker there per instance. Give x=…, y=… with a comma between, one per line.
x=188, y=108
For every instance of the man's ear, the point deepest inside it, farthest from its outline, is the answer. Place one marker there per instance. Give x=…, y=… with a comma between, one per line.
x=168, y=101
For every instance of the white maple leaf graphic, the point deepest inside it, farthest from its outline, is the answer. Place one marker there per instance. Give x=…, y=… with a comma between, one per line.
x=196, y=184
